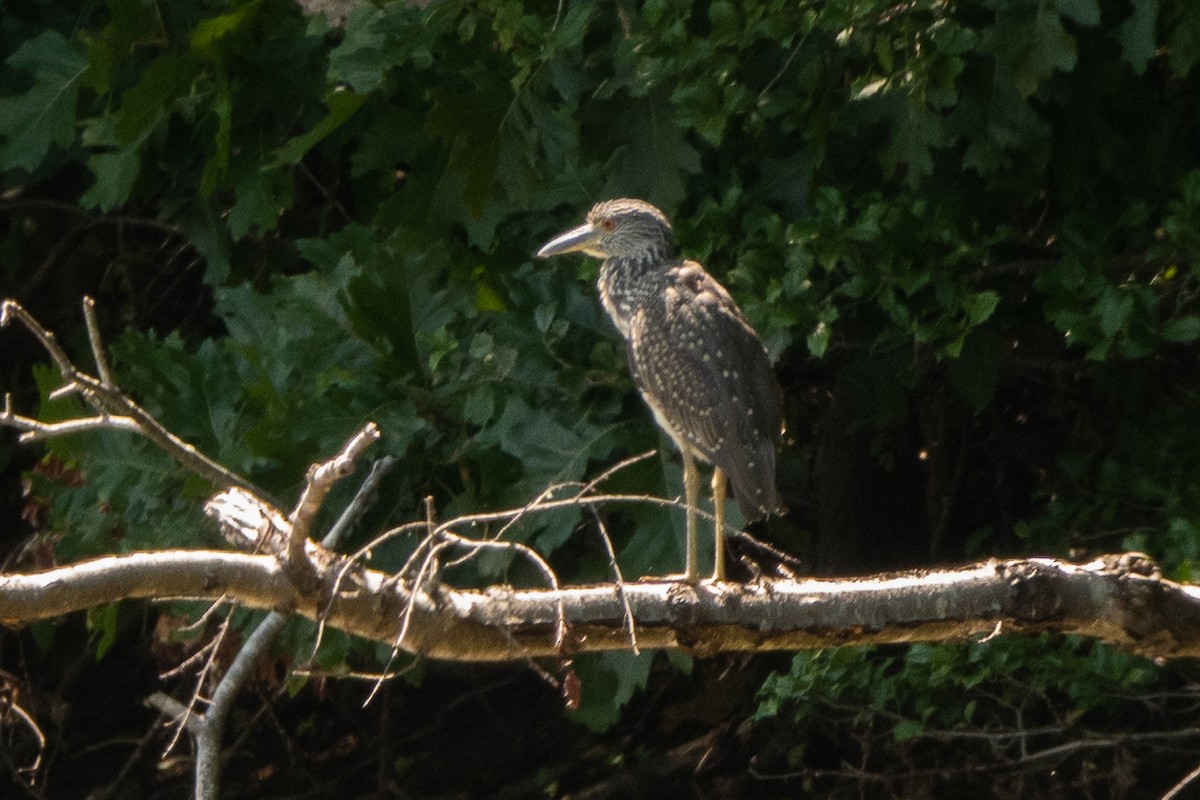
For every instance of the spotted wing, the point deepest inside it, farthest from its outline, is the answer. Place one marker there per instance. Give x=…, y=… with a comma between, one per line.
x=707, y=378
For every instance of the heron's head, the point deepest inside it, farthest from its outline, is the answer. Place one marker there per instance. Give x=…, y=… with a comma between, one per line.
x=622, y=229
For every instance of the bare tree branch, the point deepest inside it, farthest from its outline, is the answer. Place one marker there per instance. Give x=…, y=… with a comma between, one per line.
x=1118, y=599
x=33, y=430
x=321, y=478
x=207, y=727
x=113, y=407
x=1183, y=783
x=11, y=712
x=93, y=329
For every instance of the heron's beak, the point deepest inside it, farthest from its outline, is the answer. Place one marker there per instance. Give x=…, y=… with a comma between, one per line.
x=586, y=238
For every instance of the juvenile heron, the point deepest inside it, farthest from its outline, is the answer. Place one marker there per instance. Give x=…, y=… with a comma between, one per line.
x=697, y=362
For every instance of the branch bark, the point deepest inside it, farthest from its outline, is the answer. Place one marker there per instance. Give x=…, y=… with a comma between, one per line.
x=1118, y=599
x=207, y=727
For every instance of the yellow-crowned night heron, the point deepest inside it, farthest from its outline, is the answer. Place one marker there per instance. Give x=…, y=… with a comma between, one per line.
x=698, y=363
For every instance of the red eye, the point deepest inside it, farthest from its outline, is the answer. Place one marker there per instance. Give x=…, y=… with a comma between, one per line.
x=609, y=225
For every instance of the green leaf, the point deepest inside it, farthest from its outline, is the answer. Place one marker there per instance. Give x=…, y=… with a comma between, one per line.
x=818, y=339
x=115, y=174
x=360, y=59
x=608, y=682
x=1183, y=41
x=724, y=18
x=915, y=134
x=102, y=624
x=907, y=729
x=342, y=106
x=212, y=35
x=658, y=159
x=975, y=372
x=208, y=232
x=131, y=25
x=470, y=120
x=1113, y=310
x=544, y=443
x=45, y=115
x=218, y=164
x=980, y=306
x=1084, y=12
x=1030, y=46
x=1051, y=49
x=480, y=406
x=1136, y=35
x=150, y=99
x=1010, y=124
x=1181, y=329
x=261, y=197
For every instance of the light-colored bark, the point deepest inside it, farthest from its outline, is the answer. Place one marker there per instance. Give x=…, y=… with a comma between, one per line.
x=1118, y=599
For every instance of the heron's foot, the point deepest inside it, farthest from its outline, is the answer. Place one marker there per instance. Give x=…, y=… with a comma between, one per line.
x=719, y=574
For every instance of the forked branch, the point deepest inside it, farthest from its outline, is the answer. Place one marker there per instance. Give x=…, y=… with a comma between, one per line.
x=114, y=409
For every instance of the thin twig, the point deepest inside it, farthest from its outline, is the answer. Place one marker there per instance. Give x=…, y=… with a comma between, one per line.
x=33, y=430
x=197, y=729
x=114, y=787
x=184, y=666
x=350, y=516
x=1177, y=790
x=174, y=709
x=438, y=537
x=591, y=485
x=114, y=408
x=783, y=70
x=429, y=565
x=321, y=478
x=618, y=580
x=535, y=503
x=93, y=219
x=11, y=309
x=354, y=675
x=584, y=489
x=210, y=733
x=363, y=499
x=93, y=329
x=10, y=709
x=201, y=622
x=548, y=505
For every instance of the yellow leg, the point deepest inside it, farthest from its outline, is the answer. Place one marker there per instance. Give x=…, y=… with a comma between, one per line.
x=718, y=491
x=691, y=495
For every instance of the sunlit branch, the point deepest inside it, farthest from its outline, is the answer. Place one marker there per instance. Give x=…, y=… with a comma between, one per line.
x=114, y=409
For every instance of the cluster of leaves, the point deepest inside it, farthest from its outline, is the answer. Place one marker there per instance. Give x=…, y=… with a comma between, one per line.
x=1001, y=705
x=967, y=231
x=908, y=687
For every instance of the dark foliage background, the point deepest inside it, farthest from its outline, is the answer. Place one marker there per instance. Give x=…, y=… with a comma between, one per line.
x=967, y=229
